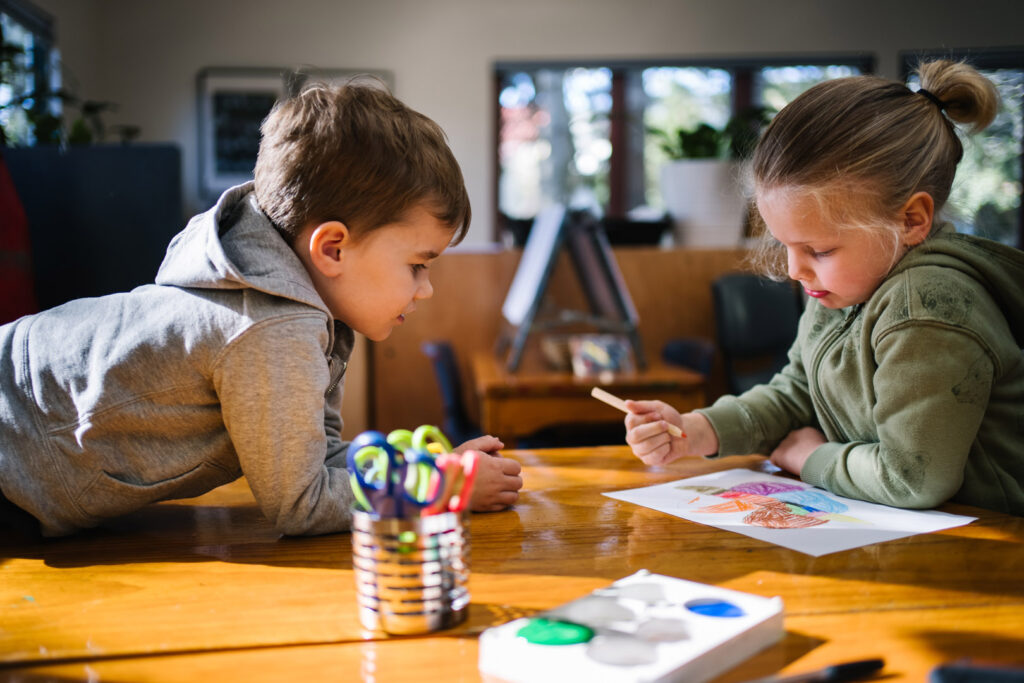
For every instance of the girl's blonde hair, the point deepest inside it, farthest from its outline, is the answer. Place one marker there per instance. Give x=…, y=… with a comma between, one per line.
x=862, y=146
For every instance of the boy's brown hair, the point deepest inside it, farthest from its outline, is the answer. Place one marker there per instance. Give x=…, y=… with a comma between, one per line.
x=356, y=154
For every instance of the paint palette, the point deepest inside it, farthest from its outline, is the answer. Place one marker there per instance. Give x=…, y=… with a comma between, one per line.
x=645, y=627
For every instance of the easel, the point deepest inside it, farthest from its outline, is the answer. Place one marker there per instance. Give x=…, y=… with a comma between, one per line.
x=611, y=308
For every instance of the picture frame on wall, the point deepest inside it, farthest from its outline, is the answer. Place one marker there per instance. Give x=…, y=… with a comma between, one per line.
x=232, y=103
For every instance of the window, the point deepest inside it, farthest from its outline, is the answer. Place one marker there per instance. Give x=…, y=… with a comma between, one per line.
x=27, y=71
x=986, y=196
x=586, y=134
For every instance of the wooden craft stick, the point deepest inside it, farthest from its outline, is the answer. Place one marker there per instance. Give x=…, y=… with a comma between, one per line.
x=616, y=402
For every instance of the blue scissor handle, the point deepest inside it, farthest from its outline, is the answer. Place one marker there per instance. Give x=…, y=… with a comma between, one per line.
x=383, y=474
x=372, y=460
x=421, y=481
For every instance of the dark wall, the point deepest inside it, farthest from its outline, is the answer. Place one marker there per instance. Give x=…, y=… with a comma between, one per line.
x=100, y=217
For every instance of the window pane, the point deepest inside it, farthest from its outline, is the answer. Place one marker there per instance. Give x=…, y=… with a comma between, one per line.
x=18, y=81
x=778, y=86
x=554, y=139
x=555, y=129
x=985, y=199
x=986, y=192
x=679, y=98
x=23, y=77
x=683, y=98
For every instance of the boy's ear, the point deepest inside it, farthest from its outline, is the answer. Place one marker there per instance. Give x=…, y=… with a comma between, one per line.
x=918, y=214
x=327, y=244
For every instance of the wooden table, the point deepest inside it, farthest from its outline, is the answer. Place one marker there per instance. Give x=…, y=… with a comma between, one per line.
x=516, y=404
x=204, y=590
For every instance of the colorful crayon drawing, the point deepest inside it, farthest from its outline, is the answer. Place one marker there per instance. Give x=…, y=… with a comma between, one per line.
x=775, y=504
x=785, y=511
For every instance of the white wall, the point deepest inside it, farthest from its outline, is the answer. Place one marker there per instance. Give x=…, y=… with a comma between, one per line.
x=145, y=54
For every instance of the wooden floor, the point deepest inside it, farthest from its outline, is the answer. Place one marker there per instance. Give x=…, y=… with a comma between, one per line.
x=204, y=590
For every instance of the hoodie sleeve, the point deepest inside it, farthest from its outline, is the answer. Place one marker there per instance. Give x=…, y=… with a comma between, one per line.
x=757, y=420
x=272, y=382
x=932, y=385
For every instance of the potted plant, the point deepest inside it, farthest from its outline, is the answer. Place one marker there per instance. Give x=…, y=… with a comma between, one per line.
x=700, y=183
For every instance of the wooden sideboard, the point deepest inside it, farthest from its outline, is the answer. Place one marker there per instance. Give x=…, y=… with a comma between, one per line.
x=514, y=405
x=671, y=289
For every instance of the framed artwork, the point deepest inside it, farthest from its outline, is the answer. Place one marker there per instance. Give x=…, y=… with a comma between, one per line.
x=232, y=103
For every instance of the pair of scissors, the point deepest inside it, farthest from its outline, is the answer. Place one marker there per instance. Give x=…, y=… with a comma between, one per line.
x=426, y=438
x=459, y=476
x=388, y=482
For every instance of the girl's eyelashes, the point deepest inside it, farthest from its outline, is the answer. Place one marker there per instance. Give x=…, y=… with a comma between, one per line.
x=418, y=268
x=821, y=254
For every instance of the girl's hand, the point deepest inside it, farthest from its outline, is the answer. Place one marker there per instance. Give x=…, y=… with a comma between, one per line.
x=497, y=483
x=648, y=436
x=794, y=450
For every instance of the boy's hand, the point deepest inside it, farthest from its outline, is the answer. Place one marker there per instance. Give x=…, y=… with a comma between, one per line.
x=794, y=450
x=486, y=444
x=648, y=436
x=497, y=483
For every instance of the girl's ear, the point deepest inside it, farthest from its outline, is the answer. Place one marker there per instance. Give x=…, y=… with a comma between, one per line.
x=327, y=244
x=918, y=214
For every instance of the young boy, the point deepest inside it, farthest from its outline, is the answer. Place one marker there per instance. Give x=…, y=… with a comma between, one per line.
x=233, y=362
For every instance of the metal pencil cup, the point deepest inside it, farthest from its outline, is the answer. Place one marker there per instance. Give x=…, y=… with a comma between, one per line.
x=411, y=573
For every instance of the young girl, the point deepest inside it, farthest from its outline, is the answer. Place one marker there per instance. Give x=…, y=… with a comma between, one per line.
x=905, y=385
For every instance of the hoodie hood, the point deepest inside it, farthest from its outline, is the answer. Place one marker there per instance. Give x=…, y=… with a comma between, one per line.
x=234, y=245
x=997, y=267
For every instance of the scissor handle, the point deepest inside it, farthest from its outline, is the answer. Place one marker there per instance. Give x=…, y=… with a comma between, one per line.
x=400, y=439
x=388, y=473
x=427, y=434
x=470, y=465
x=370, y=437
x=371, y=459
x=420, y=481
x=459, y=471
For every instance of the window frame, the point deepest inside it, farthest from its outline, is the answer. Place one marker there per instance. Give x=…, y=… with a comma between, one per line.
x=41, y=24
x=742, y=70
x=979, y=58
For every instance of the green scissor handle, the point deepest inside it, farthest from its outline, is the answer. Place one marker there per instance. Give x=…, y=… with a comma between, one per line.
x=427, y=434
x=373, y=466
x=400, y=439
x=359, y=494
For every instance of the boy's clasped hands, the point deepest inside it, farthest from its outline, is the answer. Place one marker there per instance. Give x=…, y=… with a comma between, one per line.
x=498, y=478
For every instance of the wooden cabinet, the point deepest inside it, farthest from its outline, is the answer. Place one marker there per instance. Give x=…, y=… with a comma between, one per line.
x=670, y=288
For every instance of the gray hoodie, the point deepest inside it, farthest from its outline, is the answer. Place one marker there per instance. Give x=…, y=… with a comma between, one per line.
x=229, y=364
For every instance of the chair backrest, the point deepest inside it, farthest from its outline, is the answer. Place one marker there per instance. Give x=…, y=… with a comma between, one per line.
x=694, y=353
x=457, y=425
x=754, y=317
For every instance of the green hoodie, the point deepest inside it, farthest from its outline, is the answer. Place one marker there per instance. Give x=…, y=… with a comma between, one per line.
x=919, y=390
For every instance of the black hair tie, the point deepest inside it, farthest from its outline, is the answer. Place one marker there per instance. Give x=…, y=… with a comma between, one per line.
x=931, y=96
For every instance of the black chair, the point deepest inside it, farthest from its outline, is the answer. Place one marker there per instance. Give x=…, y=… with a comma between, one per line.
x=755, y=320
x=692, y=353
x=457, y=426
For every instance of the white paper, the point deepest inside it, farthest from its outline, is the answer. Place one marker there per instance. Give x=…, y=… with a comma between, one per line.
x=742, y=500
